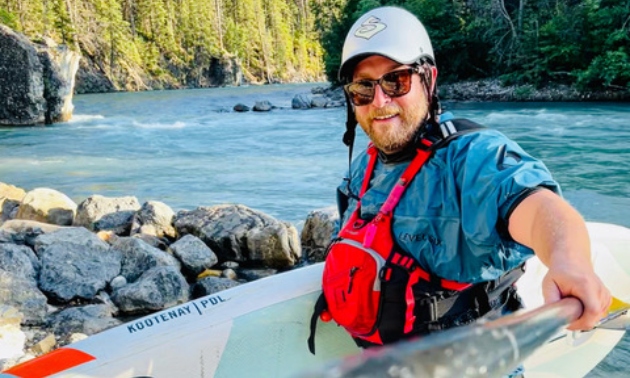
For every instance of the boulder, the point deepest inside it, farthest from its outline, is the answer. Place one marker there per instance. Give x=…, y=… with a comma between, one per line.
x=318, y=231
x=23, y=294
x=194, y=254
x=211, y=285
x=241, y=108
x=10, y=198
x=19, y=260
x=138, y=257
x=47, y=206
x=25, y=232
x=87, y=320
x=156, y=219
x=36, y=81
x=99, y=213
x=235, y=232
x=319, y=102
x=300, y=101
x=262, y=106
x=75, y=263
x=158, y=288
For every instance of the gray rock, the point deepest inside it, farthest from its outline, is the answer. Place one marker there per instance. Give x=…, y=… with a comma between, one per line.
x=211, y=285
x=88, y=319
x=60, y=67
x=10, y=198
x=153, y=241
x=25, y=232
x=98, y=213
x=222, y=70
x=255, y=274
x=274, y=246
x=23, y=294
x=194, y=254
x=301, y=102
x=36, y=81
x=47, y=206
x=229, y=273
x=156, y=219
x=21, y=81
x=318, y=231
x=335, y=104
x=69, y=235
x=158, y=288
x=118, y=282
x=319, y=102
x=226, y=229
x=75, y=264
x=19, y=260
x=262, y=106
x=241, y=108
x=138, y=257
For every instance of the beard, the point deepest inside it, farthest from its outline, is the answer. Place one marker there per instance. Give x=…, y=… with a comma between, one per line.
x=394, y=137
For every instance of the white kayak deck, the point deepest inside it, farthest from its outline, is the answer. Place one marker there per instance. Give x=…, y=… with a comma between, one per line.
x=260, y=329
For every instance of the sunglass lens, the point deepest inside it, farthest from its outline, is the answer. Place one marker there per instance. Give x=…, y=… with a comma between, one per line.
x=397, y=83
x=362, y=93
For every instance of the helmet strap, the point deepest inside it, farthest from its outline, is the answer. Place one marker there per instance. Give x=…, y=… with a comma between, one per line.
x=348, y=138
x=429, y=77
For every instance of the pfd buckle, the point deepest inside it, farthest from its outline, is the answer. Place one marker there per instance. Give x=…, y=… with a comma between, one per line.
x=428, y=309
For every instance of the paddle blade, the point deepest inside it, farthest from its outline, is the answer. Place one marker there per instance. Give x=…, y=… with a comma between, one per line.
x=618, y=317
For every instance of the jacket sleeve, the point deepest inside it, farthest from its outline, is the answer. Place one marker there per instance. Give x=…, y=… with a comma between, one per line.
x=493, y=174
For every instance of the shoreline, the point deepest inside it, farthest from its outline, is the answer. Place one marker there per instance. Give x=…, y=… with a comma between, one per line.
x=491, y=90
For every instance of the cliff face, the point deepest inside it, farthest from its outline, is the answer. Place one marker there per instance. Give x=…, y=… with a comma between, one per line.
x=207, y=72
x=36, y=80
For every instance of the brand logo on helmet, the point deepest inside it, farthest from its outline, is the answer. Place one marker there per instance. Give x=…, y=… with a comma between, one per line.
x=370, y=28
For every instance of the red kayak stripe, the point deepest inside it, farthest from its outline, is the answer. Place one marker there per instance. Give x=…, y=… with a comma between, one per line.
x=51, y=363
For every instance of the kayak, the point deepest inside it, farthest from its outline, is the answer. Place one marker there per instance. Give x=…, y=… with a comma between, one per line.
x=261, y=329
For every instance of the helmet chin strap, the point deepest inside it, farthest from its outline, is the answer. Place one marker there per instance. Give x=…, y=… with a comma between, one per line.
x=430, y=79
x=348, y=140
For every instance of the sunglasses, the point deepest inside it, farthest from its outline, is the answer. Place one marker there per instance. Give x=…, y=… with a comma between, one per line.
x=394, y=84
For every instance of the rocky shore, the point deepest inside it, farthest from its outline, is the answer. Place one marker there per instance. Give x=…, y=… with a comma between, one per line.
x=71, y=270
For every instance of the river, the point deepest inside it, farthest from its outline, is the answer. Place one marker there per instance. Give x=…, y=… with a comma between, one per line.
x=187, y=148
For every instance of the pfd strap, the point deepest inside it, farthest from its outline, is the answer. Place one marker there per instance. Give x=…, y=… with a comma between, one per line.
x=320, y=306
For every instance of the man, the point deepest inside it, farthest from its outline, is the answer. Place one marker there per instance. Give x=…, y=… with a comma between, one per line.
x=458, y=227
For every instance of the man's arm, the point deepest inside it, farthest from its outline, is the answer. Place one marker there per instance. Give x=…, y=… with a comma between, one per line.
x=557, y=233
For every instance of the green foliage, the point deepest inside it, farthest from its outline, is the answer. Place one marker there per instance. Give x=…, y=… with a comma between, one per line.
x=174, y=40
x=611, y=69
x=525, y=42
x=8, y=19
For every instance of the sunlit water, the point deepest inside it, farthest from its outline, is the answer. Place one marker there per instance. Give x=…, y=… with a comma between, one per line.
x=188, y=148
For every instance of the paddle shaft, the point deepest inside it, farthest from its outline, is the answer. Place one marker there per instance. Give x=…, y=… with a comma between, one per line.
x=484, y=349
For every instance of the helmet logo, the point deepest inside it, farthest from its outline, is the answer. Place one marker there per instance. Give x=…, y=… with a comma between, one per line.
x=370, y=28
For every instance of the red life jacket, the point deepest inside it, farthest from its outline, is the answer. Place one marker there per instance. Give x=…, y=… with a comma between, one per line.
x=378, y=292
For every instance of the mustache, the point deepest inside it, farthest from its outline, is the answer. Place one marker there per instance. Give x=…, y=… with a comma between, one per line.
x=385, y=111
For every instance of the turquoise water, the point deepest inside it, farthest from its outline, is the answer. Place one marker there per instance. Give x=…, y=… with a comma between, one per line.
x=187, y=148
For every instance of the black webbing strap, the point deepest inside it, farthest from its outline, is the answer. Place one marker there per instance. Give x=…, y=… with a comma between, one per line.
x=320, y=306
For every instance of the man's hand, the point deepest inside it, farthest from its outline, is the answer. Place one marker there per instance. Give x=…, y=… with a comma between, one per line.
x=583, y=285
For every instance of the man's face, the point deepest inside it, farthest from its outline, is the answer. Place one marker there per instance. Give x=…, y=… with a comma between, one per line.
x=390, y=122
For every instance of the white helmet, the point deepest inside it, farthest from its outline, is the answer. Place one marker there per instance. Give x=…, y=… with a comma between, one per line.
x=388, y=31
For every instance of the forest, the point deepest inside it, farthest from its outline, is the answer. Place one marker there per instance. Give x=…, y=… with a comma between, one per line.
x=583, y=43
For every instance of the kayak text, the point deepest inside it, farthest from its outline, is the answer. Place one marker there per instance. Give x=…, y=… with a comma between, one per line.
x=172, y=314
